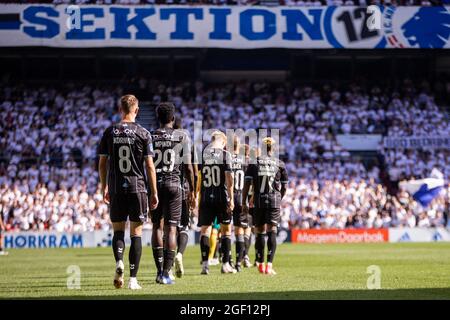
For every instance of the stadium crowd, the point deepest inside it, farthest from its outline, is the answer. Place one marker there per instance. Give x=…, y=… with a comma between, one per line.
x=49, y=136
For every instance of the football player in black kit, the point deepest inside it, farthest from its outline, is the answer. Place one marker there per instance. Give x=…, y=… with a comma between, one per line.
x=240, y=220
x=269, y=178
x=186, y=208
x=249, y=216
x=216, y=199
x=172, y=151
x=125, y=149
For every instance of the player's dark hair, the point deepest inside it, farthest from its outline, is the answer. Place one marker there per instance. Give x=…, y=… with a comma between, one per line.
x=177, y=124
x=236, y=143
x=246, y=149
x=165, y=112
x=128, y=103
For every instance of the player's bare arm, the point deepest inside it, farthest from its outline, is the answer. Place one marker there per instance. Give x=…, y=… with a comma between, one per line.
x=196, y=176
x=151, y=174
x=230, y=185
x=188, y=167
x=102, y=173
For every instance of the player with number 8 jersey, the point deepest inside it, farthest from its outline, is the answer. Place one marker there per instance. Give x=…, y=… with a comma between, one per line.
x=126, y=143
x=125, y=150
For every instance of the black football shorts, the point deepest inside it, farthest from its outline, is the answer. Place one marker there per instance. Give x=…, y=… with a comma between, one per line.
x=240, y=219
x=133, y=206
x=208, y=212
x=169, y=205
x=264, y=216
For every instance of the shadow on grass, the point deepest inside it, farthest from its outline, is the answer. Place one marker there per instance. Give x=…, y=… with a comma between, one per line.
x=382, y=294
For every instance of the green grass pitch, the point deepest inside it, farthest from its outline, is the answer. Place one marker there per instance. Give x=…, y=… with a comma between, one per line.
x=327, y=271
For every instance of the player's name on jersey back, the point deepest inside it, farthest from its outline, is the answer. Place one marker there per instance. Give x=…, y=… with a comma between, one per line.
x=123, y=140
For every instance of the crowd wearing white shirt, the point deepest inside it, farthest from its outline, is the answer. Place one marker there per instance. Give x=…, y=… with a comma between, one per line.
x=49, y=136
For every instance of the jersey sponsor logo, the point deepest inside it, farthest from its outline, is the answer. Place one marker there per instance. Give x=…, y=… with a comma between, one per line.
x=177, y=137
x=122, y=130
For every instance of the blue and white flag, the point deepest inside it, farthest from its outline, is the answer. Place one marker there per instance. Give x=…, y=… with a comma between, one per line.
x=425, y=190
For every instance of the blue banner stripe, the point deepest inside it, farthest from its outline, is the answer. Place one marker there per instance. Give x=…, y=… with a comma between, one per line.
x=10, y=25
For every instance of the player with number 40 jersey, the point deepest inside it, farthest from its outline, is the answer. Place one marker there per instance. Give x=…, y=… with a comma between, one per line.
x=240, y=218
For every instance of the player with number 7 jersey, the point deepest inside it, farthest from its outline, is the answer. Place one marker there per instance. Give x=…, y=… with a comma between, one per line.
x=268, y=177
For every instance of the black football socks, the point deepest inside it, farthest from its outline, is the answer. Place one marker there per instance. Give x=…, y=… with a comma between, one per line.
x=183, y=238
x=226, y=248
x=271, y=245
x=247, y=243
x=169, y=256
x=240, y=248
x=135, y=255
x=204, y=247
x=118, y=245
x=158, y=256
x=259, y=247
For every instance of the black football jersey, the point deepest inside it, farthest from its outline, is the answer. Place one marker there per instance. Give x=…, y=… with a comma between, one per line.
x=267, y=174
x=126, y=144
x=168, y=146
x=213, y=188
x=238, y=166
